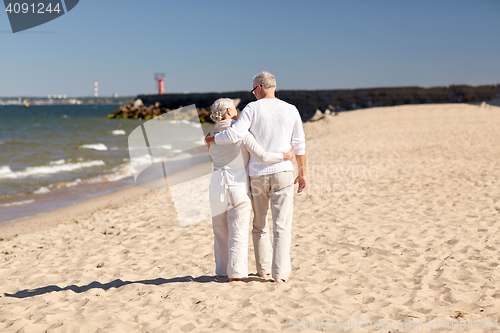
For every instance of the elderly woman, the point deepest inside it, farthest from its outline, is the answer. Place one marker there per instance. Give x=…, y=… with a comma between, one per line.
x=229, y=193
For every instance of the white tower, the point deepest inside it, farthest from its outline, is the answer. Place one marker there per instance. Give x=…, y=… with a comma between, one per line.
x=95, y=89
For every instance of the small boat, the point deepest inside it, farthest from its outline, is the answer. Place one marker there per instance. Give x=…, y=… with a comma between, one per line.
x=26, y=104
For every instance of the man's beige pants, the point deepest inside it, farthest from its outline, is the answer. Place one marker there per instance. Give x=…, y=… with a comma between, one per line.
x=278, y=190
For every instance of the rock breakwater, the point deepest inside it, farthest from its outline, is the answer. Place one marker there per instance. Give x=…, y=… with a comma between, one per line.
x=309, y=101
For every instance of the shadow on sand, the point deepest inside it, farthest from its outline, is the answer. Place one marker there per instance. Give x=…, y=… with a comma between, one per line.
x=119, y=283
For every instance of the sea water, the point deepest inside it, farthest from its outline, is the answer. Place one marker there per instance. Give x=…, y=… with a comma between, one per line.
x=55, y=155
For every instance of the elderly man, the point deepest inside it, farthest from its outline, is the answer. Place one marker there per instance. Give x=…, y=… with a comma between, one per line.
x=277, y=126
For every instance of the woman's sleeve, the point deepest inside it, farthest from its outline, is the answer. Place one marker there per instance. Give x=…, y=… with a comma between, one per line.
x=256, y=151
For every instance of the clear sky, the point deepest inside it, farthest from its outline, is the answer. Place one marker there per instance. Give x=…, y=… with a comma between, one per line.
x=219, y=45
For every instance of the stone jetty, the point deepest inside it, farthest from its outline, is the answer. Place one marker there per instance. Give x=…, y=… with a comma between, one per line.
x=137, y=109
x=309, y=102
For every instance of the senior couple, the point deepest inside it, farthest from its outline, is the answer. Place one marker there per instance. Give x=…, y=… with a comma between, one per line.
x=253, y=169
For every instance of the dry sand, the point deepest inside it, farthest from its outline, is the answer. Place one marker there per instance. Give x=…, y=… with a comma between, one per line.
x=400, y=225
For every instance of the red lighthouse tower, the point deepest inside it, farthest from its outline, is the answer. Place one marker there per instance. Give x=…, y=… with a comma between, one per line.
x=160, y=78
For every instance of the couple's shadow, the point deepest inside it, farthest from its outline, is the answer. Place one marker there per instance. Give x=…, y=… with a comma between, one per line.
x=120, y=283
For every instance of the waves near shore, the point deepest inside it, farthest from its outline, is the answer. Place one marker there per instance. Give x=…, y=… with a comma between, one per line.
x=49, y=149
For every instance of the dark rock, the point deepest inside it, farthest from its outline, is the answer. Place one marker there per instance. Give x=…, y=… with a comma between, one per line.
x=308, y=101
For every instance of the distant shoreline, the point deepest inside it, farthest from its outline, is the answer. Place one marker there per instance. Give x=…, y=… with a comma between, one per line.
x=38, y=101
x=308, y=99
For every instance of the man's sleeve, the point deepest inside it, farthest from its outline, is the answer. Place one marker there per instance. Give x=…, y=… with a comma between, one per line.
x=298, y=136
x=238, y=131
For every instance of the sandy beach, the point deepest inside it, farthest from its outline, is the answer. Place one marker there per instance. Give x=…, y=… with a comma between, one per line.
x=399, y=226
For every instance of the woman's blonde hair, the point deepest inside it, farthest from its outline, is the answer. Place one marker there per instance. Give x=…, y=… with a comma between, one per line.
x=219, y=109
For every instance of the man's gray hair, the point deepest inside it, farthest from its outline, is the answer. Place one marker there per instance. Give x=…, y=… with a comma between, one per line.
x=219, y=109
x=265, y=79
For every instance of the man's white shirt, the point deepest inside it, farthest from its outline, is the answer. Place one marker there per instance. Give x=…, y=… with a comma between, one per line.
x=277, y=127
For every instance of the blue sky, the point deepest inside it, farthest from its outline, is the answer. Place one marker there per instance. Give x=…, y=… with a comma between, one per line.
x=218, y=45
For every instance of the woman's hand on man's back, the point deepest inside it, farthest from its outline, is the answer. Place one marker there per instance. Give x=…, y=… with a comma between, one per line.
x=288, y=156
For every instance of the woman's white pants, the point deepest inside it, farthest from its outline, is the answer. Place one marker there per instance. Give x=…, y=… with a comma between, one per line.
x=231, y=207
